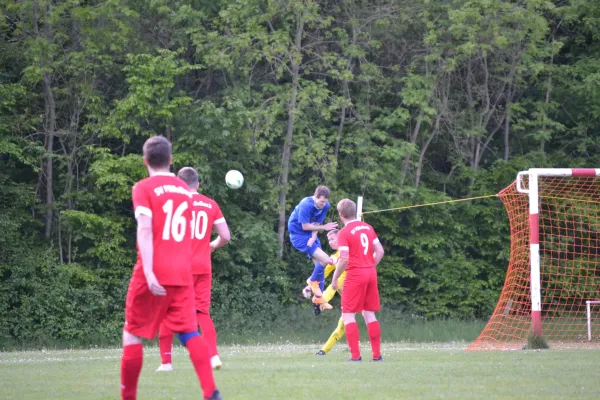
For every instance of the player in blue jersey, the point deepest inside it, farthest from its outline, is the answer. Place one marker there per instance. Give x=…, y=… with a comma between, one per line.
x=304, y=224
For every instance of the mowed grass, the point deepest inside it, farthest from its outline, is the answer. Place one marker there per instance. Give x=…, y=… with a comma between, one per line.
x=287, y=371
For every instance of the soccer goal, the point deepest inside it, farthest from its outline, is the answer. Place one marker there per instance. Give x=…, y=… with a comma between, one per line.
x=554, y=271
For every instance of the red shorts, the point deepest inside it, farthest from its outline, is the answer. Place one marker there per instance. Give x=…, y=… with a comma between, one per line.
x=202, y=289
x=144, y=312
x=360, y=291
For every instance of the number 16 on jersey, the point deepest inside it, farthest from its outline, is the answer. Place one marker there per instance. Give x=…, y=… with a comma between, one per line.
x=174, y=221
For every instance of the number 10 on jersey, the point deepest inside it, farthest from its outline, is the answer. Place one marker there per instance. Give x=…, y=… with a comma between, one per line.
x=199, y=224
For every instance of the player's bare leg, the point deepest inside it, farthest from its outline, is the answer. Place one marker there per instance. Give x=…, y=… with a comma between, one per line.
x=374, y=334
x=131, y=365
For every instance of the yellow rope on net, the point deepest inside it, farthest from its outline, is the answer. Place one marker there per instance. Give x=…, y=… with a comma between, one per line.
x=428, y=204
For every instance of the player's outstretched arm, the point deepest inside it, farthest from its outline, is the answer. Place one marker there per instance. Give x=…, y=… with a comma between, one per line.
x=311, y=227
x=223, y=238
x=146, y=246
x=318, y=227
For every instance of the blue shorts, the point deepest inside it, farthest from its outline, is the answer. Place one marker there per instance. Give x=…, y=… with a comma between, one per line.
x=300, y=242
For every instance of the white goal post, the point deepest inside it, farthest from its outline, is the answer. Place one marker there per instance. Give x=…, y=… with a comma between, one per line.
x=534, y=239
x=588, y=304
x=359, y=208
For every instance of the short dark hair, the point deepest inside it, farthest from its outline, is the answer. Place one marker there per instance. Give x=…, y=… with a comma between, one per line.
x=331, y=233
x=189, y=175
x=322, y=191
x=347, y=208
x=157, y=152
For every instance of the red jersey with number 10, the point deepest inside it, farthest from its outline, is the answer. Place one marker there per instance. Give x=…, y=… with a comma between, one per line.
x=356, y=240
x=205, y=213
x=167, y=200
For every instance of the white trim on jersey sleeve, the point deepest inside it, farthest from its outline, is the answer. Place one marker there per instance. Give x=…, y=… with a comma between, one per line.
x=220, y=221
x=376, y=240
x=141, y=210
x=343, y=248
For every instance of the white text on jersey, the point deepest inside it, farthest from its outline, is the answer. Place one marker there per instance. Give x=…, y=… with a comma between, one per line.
x=360, y=228
x=200, y=203
x=171, y=189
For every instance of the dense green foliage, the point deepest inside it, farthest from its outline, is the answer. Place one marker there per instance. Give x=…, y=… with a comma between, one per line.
x=403, y=102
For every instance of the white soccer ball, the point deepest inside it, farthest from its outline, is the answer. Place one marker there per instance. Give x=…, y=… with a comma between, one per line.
x=306, y=292
x=234, y=179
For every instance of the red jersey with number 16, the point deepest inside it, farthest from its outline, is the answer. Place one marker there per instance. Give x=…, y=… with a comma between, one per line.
x=356, y=241
x=167, y=200
x=205, y=213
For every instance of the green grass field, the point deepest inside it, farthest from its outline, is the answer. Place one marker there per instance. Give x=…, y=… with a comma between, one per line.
x=287, y=371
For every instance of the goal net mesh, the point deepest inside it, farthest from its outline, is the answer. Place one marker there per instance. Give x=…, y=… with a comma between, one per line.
x=569, y=235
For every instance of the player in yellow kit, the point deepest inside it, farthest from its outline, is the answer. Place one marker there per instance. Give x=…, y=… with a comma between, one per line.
x=328, y=294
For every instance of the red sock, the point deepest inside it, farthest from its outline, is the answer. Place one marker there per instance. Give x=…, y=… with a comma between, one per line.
x=199, y=356
x=131, y=366
x=207, y=327
x=165, y=344
x=375, y=338
x=353, y=335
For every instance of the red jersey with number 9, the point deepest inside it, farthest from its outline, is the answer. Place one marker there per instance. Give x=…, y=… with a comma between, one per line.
x=167, y=200
x=356, y=240
x=205, y=213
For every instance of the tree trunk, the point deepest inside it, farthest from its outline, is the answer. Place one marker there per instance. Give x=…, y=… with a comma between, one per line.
x=287, y=146
x=51, y=119
x=548, y=92
x=434, y=133
x=340, y=132
x=507, y=124
x=470, y=105
x=60, y=249
x=50, y=106
x=346, y=93
x=68, y=193
x=444, y=92
x=413, y=140
x=475, y=143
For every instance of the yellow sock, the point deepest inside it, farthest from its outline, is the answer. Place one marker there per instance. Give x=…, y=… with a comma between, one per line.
x=335, y=336
x=328, y=294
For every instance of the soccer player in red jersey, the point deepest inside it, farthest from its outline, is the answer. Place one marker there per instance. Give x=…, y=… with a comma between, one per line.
x=360, y=253
x=160, y=289
x=206, y=215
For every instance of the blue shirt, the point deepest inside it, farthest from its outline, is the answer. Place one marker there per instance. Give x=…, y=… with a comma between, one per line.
x=306, y=213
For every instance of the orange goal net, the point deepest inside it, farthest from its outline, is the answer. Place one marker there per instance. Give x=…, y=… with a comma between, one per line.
x=553, y=277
